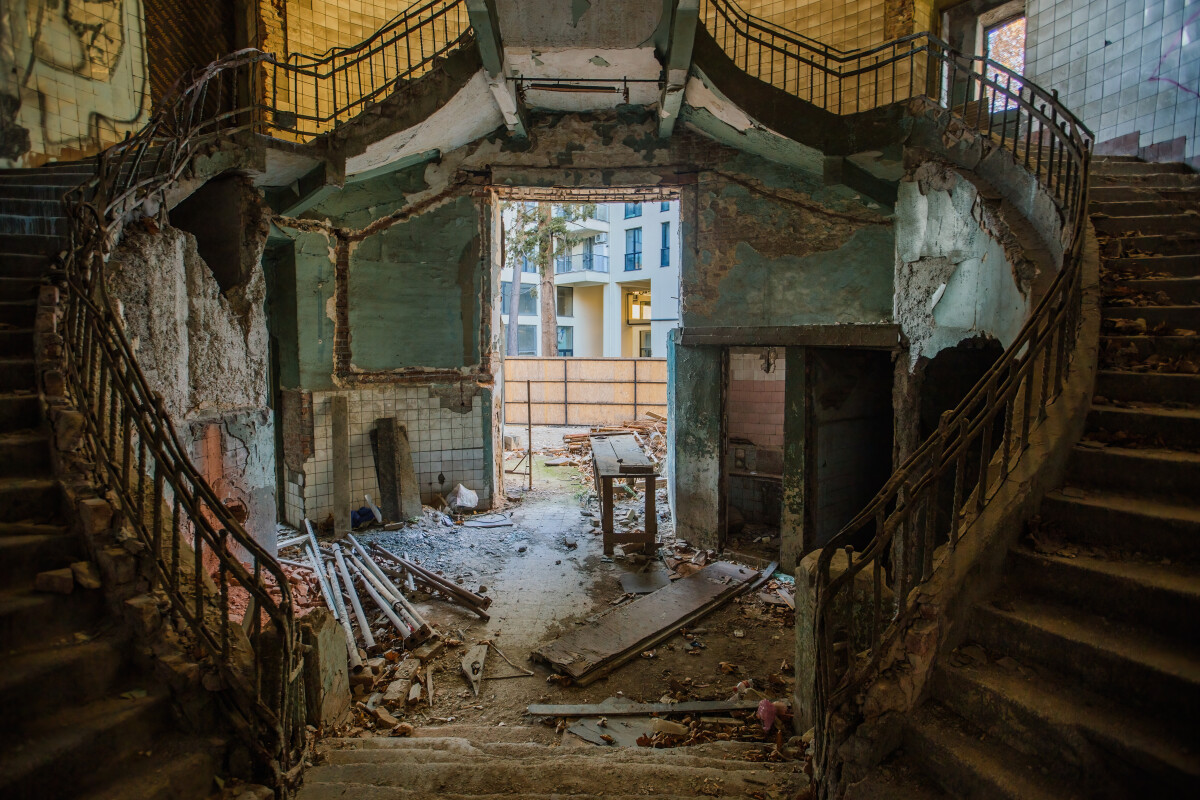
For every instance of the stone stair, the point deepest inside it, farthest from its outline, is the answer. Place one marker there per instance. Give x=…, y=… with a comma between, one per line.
x=81, y=719
x=1080, y=677
x=459, y=762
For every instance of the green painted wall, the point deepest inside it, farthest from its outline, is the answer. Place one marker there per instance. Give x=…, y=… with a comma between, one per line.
x=695, y=378
x=314, y=310
x=415, y=291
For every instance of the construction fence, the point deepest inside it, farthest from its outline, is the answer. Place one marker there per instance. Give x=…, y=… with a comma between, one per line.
x=583, y=391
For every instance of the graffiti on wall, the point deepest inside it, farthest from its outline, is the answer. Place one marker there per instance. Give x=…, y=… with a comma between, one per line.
x=77, y=76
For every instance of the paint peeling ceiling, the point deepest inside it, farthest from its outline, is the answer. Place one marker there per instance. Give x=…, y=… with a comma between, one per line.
x=615, y=24
x=634, y=75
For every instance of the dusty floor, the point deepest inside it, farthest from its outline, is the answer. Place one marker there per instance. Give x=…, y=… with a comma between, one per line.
x=542, y=586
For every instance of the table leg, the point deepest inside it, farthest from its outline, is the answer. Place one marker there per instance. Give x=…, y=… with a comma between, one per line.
x=606, y=514
x=651, y=514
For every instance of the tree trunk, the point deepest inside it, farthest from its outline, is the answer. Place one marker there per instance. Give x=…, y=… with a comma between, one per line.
x=549, y=296
x=514, y=303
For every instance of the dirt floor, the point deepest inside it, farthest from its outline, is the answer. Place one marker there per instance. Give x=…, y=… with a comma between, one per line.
x=547, y=573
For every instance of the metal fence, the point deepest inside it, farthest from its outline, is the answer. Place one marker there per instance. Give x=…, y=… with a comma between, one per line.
x=581, y=262
x=927, y=501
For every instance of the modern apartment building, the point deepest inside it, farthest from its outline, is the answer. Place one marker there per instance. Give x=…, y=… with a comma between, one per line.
x=618, y=285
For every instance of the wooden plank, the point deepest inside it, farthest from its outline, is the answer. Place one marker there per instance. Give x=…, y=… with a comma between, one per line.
x=594, y=650
x=620, y=707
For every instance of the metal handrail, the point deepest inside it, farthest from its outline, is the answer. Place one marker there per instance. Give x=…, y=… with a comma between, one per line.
x=202, y=558
x=932, y=497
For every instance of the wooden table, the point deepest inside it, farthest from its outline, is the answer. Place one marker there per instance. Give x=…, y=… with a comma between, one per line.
x=619, y=456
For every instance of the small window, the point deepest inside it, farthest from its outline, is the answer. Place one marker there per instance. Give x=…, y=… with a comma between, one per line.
x=665, y=205
x=644, y=344
x=1005, y=44
x=527, y=340
x=566, y=301
x=665, y=254
x=527, y=265
x=566, y=340
x=633, y=210
x=633, y=249
x=527, y=305
x=637, y=309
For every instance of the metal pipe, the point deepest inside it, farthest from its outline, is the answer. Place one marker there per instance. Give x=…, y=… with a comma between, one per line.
x=401, y=627
x=295, y=540
x=326, y=591
x=381, y=587
x=368, y=639
x=371, y=565
x=351, y=642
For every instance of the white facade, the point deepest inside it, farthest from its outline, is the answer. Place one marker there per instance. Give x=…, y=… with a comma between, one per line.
x=618, y=291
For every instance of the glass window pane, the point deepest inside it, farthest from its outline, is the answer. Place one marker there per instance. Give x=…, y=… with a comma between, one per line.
x=566, y=301
x=527, y=340
x=633, y=210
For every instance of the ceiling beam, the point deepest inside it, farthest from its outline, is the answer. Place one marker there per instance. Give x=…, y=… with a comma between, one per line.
x=678, y=61
x=484, y=21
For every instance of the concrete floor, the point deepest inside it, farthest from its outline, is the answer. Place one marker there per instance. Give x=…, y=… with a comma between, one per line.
x=541, y=587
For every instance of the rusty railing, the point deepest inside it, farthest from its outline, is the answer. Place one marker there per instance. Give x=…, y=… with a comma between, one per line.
x=203, y=560
x=930, y=499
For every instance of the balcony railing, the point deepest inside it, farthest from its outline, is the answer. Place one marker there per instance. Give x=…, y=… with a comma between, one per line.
x=633, y=261
x=580, y=262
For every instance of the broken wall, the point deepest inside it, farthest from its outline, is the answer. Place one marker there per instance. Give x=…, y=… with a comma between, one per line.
x=205, y=351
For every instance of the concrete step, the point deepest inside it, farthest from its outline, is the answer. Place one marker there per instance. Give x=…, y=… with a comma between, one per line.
x=30, y=499
x=35, y=244
x=17, y=373
x=1173, y=428
x=33, y=225
x=1143, y=205
x=65, y=754
x=16, y=342
x=31, y=529
x=1150, y=673
x=19, y=287
x=29, y=619
x=896, y=779
x=1140, y=348
x=1179, y=317
x=176, y=769
x=25, y=453
x=19, y=411
x=1182, y=291
x=23, y=265
x=60, y=179
x=1164, y=598
x=1078, y=736
x=464, y=770
x=1172, y=475
x=18, y=313
x=26, y=190
x=969, y=766
x=32, y=206
x=1157, y=178
x=1178, y=244
x=1108, y=166
x=1160, y=224
x=77, y=673
x=1180, y=265
x=1157, y=388
x=1130, y=524
x=23, y=557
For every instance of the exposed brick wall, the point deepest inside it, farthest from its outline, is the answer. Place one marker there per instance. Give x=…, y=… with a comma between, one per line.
x=297, y=408
x=182, y=35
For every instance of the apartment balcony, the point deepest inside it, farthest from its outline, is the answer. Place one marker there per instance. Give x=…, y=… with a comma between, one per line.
x=592, y=225
x=581, y=269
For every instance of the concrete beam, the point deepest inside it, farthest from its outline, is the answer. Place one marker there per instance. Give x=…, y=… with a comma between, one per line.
x=303, y=193
x=482, y=14
x=881, y=336
x=678, y=61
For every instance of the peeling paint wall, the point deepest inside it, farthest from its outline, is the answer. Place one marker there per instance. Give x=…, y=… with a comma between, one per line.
x=695, y=375
x=205, y=350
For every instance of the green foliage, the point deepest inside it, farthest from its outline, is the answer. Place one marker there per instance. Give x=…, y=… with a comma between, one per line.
x=531, y=233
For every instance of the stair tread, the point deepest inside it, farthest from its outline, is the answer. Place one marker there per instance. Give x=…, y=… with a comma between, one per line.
x=1183, y=579
x=1065, y=706
x=20, y=667
x=32, y=529
x=1133, y=504
x=1148, y=409
x=175, y=761
x=997, y=764
x=1153, y=652
x=1177, y=457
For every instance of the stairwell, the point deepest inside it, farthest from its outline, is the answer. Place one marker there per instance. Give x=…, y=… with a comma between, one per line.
x=1080, y=677
x=459, y=762
x=83, y=719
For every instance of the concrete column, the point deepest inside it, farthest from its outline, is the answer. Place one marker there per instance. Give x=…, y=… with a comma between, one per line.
x=695, y=381
x=796, y=530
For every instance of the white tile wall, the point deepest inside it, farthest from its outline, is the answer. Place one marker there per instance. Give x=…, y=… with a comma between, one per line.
x=444, y=443
x=1121, y=65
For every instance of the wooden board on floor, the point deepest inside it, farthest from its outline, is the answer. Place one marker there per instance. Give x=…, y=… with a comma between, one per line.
x=399, y=493
x=594, y=650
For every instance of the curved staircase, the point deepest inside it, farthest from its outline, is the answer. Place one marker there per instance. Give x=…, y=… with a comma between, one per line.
x=1080, y=677
x=82, y=719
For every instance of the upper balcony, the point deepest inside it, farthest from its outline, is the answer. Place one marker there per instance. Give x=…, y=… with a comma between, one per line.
x=581, y=269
